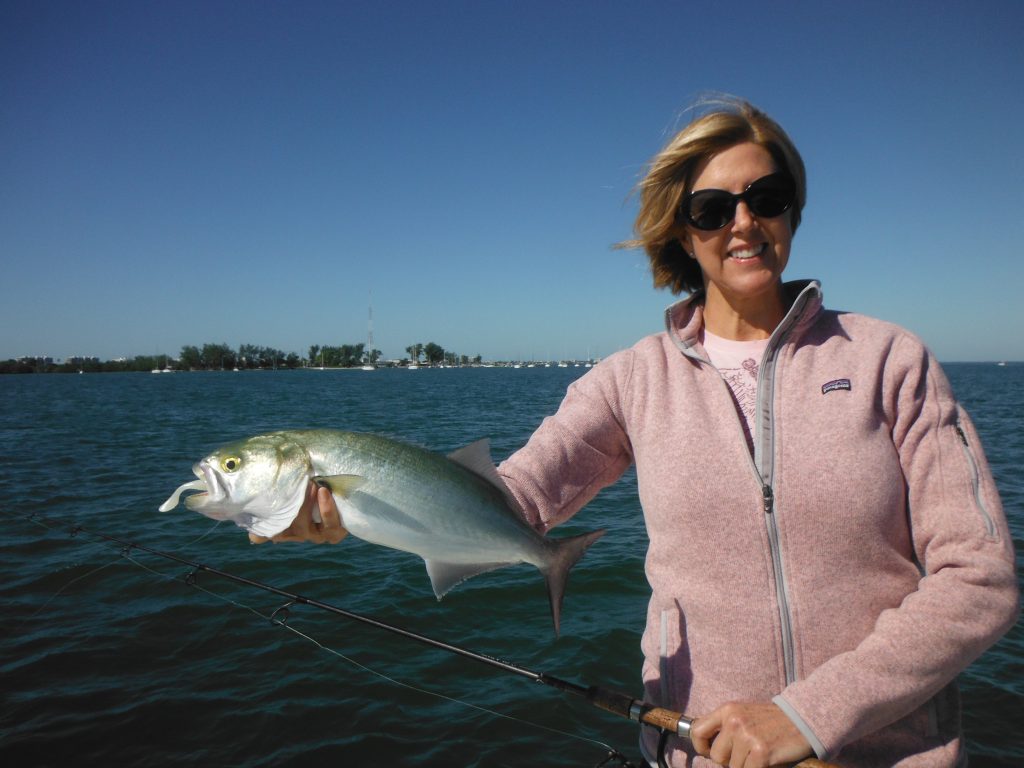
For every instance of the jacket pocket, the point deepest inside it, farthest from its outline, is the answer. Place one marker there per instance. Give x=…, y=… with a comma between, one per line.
x=663, y=662
x=673, y=659
x=970, y=445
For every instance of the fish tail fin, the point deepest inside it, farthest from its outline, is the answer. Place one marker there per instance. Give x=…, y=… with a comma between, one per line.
x=564, y=555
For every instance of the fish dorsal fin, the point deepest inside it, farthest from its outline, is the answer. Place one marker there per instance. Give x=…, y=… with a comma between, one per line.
x=342, y=485
x=444, y=576
x=476, y=457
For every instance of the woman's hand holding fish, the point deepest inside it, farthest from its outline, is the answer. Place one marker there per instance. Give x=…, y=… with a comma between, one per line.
x=304, y=527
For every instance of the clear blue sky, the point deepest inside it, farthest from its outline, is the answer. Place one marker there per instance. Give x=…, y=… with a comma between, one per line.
x=187, y=172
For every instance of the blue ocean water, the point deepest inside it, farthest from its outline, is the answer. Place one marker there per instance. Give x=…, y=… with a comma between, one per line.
x=109, y=657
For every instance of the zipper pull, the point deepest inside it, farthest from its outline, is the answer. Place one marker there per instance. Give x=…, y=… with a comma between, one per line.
x=769, y=499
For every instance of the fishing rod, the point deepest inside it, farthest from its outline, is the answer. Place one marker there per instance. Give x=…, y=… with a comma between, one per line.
x=621, y=704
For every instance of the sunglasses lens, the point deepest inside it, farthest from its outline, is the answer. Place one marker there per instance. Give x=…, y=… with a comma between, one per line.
x=770, y=197
x=712, y=209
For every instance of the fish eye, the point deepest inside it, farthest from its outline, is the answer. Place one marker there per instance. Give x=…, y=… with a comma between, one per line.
x=231, y=463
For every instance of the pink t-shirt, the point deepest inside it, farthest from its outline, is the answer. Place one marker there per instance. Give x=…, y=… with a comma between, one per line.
x=738, y=362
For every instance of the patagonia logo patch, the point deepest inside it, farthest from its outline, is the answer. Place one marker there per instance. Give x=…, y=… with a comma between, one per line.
x=832, y=386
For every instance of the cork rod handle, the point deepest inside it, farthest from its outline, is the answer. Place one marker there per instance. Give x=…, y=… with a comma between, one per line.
x=675, y=722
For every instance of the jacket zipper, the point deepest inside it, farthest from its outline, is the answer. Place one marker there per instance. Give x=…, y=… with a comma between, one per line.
x=763, y=466
x=972, y=465
x=782, y=590
x=774, y=550
x=771, y=526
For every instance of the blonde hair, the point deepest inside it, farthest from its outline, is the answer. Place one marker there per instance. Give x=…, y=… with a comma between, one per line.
x=670, y=176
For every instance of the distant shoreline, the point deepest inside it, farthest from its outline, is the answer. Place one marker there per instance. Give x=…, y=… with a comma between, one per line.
x=18, y=369
x=15, y=368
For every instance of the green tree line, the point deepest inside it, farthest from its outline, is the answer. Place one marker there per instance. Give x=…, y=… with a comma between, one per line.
x=221, y=357
x=345, y=356
x=83, y=364
x=435, y=354
x=215, y=357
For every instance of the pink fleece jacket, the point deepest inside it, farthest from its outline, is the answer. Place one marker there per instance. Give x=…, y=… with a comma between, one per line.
x=848, y=570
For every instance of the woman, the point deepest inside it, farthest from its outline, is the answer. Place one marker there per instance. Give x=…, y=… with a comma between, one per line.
x=827, y=547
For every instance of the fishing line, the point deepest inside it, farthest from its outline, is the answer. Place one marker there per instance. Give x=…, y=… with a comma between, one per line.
x=283, y=611
x=664, y=720
x=213, y=528
x=58, y=593
x=282, y=622
x=55, y=595
x=99, y=545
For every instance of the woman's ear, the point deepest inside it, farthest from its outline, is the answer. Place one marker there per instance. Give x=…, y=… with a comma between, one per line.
x=686, y=242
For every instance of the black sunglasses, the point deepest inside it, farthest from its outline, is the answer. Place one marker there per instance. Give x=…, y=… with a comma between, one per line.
x=711, y=209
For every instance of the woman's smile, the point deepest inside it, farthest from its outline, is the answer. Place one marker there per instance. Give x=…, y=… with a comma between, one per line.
x=747, y=252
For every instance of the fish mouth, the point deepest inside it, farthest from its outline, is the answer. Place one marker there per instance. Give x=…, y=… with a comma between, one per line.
x=212, y=487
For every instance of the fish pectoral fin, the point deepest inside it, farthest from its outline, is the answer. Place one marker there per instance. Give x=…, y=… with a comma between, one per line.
x=444, y=576
x=342, y=485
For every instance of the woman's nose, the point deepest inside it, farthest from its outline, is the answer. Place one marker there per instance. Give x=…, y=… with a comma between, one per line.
x=744, y=220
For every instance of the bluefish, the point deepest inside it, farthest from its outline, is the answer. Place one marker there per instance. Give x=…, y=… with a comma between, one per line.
x=454, y=512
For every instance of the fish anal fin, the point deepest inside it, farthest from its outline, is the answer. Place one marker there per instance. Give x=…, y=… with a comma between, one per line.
x=341, y=485
x=444, y=576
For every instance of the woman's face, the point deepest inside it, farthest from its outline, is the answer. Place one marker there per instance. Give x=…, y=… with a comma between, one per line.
x=743, y=261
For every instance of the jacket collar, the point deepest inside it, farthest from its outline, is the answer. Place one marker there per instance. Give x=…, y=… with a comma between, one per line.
x=685, y=318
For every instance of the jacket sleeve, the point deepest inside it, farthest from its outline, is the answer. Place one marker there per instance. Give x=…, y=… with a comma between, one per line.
x=576, y=452
x=967, y=596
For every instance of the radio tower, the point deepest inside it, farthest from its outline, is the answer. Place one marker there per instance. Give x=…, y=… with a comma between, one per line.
x=369, y=338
